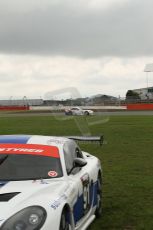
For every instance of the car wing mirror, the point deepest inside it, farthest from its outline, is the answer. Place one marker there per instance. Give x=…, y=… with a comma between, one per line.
x=79, y=162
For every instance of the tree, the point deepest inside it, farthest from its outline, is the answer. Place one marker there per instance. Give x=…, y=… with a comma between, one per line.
x=132, y=95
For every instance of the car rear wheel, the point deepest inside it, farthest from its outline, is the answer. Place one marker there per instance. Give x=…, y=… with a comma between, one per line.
x=98, y=211
x=64, y=224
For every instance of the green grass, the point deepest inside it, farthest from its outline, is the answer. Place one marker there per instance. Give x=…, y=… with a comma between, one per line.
x=127, y=159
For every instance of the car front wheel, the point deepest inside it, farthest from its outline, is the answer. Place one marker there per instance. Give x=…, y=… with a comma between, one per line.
x=64, y=225
x=86, y=113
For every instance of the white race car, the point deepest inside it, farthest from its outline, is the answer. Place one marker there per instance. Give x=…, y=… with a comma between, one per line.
x=48, y=183
x=78, y=111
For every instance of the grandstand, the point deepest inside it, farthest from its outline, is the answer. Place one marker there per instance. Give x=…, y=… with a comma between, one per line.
x=21, y=102
x=144, y=93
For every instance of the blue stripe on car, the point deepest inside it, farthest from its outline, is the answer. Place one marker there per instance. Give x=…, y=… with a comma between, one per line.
x=95, y=193
x=2, y=183
x=14, y=139
x=91, y=190
x=78, y=210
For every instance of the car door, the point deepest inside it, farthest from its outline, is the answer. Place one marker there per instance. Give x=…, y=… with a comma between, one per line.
x=81, y=179
x=74, y=111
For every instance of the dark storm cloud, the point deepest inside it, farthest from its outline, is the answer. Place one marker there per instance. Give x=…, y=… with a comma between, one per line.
x=61, y=29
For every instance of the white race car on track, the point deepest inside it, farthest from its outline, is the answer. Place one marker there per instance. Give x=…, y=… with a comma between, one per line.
x=48, y=183
x=78, y=111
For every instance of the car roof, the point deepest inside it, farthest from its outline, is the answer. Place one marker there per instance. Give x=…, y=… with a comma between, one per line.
x=33, y=139
x=32, y=145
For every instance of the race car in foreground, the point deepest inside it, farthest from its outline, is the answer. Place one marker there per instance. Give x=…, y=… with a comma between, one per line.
x=47, y=182
x=78, y=111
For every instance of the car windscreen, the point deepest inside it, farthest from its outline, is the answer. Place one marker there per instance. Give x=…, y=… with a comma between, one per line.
x=29, y=167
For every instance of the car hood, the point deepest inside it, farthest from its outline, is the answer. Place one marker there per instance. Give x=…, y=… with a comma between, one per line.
x=16, y=195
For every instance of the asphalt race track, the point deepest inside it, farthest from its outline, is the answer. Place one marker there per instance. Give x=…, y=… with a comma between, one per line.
x=104, y=113
x=126, y=113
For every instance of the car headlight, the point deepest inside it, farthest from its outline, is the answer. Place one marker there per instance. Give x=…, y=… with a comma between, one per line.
x=30, y=218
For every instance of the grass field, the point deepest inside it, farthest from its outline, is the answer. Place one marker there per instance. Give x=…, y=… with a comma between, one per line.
x=127, y=159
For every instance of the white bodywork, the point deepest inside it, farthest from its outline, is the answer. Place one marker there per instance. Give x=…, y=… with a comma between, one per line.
x=79, y=111
x=56, y=193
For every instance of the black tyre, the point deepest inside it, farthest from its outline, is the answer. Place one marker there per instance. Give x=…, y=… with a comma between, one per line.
x=64, y=224
x=98, y=211
x=86, y=113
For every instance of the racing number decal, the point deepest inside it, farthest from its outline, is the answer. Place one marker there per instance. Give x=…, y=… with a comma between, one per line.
x=86, y=192
x=86, y=197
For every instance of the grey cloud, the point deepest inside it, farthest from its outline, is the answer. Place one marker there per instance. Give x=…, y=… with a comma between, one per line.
x=8, y=78
x=95, y=80
x=58, y=29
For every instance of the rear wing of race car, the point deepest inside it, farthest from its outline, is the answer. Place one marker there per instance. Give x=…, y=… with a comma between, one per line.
x=90, y=139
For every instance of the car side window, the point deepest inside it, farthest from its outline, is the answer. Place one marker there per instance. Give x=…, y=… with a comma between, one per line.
x=78, y=152
x=71, y=151
x=75, y=109
x=68, y=158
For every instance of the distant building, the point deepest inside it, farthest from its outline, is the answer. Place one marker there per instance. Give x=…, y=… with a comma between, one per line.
x=145, y=93
x=21, y=102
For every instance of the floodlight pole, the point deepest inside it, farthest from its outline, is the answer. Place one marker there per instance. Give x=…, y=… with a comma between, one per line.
x=148, y=68
x=147, y=75
x=10, y=99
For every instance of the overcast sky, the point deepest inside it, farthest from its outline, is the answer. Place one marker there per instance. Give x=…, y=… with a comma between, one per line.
x=97, y=46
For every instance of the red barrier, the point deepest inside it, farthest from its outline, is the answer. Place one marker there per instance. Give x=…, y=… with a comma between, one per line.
x=10, y=108
x=139, y=106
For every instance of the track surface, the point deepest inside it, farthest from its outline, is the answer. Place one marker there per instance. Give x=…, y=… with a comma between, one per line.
x=117, y=113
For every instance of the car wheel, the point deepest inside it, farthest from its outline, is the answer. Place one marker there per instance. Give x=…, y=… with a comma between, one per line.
x=86, y=113
x=98, y=211
x=64, y=224
x=70, y=113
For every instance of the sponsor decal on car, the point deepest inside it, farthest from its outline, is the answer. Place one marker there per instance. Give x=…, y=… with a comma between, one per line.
x=21, y=150
x=58, y=202
x=52, y=174
x=55, y=141
x=33, y=149
x=86, y=192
